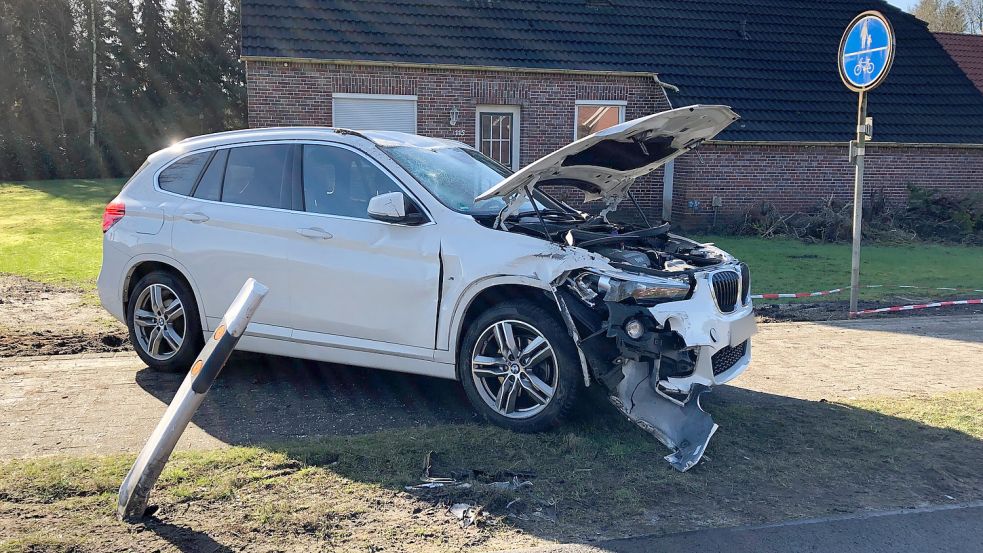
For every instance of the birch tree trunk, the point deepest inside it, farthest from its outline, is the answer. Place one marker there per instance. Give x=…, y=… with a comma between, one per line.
x=95, y=118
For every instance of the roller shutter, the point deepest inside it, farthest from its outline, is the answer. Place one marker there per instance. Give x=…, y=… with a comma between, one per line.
x=364, y=112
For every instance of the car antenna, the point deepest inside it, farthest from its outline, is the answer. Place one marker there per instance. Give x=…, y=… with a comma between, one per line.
x=532, y=200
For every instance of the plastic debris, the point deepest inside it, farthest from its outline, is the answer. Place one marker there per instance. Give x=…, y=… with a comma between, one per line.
x=511, y=485
x=466, y=513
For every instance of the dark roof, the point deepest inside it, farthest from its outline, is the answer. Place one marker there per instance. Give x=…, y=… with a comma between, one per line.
x=967, y=50
x=773, y=61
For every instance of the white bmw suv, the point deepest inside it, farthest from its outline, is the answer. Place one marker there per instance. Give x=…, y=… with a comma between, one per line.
x=412, y=254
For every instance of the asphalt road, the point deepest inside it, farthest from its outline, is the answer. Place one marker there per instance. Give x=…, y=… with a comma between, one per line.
x=946, y=529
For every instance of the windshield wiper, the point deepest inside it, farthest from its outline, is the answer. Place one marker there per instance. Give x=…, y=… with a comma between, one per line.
x=544, y=211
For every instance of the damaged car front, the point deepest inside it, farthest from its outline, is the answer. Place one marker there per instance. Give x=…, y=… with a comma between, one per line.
x=660, y=319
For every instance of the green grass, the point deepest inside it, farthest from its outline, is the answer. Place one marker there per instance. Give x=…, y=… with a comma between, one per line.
x=783, y=265
x=774, y=458
x=51, y=230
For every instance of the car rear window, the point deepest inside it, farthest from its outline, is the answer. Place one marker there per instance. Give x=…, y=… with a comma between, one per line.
x=180, y=176
x=258, y=175
x=210, y=185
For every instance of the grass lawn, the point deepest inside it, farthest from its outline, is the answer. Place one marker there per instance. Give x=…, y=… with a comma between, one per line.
x=600, y=477
x=782, y=265
x=50, y=231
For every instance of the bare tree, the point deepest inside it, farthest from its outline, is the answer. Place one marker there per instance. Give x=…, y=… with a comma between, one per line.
x=941, y=15
x=974, y=15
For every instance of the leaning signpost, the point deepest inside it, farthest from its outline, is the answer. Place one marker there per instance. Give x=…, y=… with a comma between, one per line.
x=135, y=490
x=865, y=57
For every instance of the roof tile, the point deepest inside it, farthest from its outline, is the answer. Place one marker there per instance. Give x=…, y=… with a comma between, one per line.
x=773, y=61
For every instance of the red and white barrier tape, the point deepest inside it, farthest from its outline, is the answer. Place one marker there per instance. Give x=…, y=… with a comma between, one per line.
x=838, y=290
x=916, y=306
x=919, y=287
x=796, y=295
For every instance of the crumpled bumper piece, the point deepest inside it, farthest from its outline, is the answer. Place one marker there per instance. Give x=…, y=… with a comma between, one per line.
x=683, y=427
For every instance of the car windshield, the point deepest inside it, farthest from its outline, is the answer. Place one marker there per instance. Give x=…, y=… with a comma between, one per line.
x=454, y=175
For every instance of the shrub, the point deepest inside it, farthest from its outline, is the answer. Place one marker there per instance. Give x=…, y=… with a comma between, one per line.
x=929, y=215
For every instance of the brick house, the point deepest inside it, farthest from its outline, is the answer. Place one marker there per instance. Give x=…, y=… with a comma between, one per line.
x=520, y=79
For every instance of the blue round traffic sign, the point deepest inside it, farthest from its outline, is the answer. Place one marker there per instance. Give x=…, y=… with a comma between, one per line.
x=866, y=51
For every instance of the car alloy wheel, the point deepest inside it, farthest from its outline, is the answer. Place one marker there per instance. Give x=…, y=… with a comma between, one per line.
x=514, y=368
x=159, y=322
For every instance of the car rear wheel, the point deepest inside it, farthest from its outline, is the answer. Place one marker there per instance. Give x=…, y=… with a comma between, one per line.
x=162, y=317
x=519, y=367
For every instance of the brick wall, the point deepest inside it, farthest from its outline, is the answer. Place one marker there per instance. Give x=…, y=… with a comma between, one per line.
x=790, y=176
x=795, y=177
x=289, y=93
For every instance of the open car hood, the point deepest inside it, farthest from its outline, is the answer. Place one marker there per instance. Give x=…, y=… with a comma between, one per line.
x=605, y=164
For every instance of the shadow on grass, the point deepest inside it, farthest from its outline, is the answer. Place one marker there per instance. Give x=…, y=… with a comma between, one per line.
x=185, y=539
x=773, y=458
x=99, y=191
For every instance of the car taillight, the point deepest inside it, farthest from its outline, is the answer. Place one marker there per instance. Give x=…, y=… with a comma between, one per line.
x=112, y=214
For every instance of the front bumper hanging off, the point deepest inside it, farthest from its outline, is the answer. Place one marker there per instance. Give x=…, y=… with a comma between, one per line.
x=668, y=407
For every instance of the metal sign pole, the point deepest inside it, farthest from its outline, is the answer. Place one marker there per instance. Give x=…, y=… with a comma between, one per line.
x=135, y=490
x=858, y=200
x=865, y=57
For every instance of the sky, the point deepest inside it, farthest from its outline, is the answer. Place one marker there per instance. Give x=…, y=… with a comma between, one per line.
x=903, y=4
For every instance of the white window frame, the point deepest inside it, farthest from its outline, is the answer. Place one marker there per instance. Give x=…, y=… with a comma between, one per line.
x=516, y=126
x=620, y=104
x=358, y=96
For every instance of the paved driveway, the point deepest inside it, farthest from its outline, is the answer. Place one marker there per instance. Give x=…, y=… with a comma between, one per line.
x=110, y=403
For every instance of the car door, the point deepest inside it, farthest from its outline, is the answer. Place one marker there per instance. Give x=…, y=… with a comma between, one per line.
x=237, y=224
x=359, y=282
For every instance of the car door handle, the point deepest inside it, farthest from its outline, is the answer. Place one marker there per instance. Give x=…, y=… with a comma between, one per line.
x=314, y=232
x=195, y=217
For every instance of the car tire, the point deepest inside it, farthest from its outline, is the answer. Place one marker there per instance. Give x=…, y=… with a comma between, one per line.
x=156, y=327
x=557, y=373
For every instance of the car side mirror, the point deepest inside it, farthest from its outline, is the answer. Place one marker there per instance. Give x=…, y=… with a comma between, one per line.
x=395, y=207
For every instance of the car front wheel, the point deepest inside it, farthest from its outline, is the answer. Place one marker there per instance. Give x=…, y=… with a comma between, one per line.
x=519, y=367
x=163, y=321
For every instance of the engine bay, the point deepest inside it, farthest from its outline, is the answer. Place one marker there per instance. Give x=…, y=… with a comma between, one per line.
x=632, y=247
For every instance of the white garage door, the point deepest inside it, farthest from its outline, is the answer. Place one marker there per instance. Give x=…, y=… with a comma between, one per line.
x=374, y=112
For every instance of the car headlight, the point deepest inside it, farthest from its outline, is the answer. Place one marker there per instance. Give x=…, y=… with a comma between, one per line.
x=647, y=290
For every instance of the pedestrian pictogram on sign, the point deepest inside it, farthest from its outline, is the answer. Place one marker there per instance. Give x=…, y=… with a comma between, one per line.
x=866, y=51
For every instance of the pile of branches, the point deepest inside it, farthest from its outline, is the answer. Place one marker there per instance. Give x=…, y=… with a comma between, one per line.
x=928, y=216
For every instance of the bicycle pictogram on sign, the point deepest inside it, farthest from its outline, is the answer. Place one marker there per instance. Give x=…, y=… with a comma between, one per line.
x=866, y=51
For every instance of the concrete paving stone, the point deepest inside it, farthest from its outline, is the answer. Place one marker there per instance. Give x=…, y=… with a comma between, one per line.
x=111, y=403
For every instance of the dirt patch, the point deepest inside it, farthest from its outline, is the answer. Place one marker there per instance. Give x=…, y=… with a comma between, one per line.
x=838, y=310
x=44, y=319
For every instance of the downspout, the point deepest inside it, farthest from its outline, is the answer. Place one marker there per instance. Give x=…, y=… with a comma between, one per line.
x=670, y=167
x=667, y=175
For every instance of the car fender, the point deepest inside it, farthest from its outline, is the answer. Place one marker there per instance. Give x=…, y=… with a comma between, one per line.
x=541, y=266
x=465, y=300
x=156, y=257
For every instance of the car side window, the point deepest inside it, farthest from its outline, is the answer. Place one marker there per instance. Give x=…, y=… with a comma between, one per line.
x=180, y=177
x=338, y=181
x=258, y=175
x=210, y=185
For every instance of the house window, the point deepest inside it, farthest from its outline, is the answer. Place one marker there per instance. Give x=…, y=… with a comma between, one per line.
x=497, y=134
x=597, y=115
